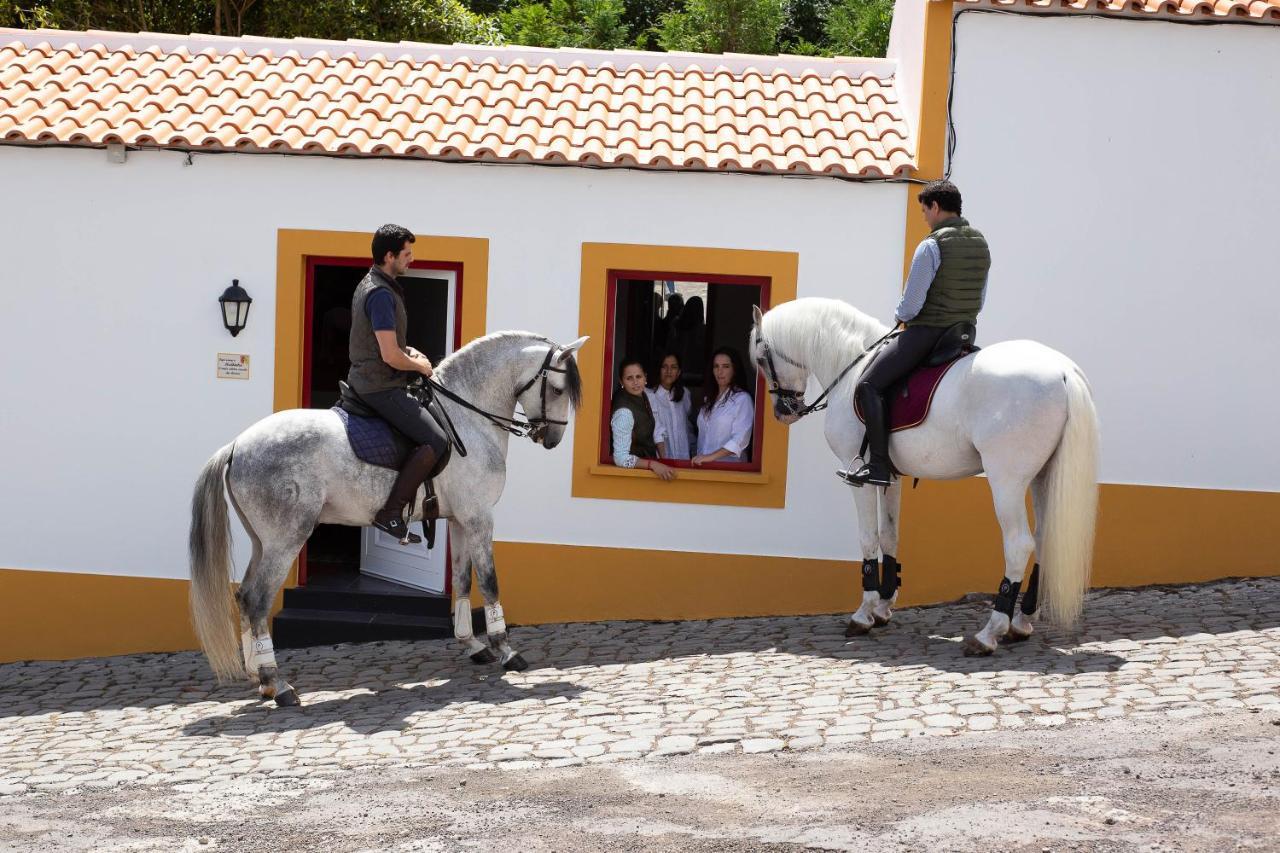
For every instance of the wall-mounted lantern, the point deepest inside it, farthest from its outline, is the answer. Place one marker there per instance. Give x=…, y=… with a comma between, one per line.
x=235, y=304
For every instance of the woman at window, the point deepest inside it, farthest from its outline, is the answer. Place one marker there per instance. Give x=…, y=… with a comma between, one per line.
x=671, y=408
x=727, y=413
x=638, y=439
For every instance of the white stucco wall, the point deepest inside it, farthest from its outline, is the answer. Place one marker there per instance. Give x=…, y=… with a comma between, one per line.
x=1125, y=173
x=112, y=271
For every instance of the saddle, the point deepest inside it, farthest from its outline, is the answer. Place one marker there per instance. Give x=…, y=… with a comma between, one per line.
x=376, y=442
x=909, y=399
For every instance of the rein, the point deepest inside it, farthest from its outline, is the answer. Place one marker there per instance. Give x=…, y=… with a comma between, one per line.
x=794, y=398
x=532, y=428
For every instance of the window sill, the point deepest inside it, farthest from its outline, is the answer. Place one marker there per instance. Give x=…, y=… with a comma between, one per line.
x=745, y=478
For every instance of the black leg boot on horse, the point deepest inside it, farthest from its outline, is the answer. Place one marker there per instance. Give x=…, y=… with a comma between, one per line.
x=392, y=517
x=877, y=470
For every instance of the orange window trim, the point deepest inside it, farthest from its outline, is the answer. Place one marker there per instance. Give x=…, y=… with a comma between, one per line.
x=591, y=479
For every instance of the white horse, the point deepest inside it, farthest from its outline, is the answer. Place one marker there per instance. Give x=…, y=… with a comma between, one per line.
x=1018, y=411
x=295, y=469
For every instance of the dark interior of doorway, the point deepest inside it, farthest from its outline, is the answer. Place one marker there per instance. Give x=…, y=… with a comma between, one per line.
x=336, y=603
x=335, y=549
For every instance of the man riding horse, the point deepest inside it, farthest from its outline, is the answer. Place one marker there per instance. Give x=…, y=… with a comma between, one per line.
x=382, y=367
x=946, y=286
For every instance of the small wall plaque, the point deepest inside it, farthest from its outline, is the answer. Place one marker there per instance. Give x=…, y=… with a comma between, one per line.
x=233, y=365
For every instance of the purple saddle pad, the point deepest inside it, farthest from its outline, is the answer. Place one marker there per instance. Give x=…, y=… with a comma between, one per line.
x=373, y=440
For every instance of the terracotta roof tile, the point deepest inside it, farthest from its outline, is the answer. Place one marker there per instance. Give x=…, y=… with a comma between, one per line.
x=1248, y=11
x=771, y=114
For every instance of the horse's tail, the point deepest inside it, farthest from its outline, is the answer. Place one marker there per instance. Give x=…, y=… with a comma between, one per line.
x=1071, y=506
x=213, y=610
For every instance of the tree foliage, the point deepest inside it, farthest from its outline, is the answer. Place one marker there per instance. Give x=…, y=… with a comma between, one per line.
x=817, y=27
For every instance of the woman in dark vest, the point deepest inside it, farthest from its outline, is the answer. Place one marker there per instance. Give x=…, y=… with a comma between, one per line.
x=638, y=439
x=947, y=285
x=383, y=364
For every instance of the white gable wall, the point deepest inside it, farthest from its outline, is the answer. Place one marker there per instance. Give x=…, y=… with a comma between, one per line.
x=1125, y=173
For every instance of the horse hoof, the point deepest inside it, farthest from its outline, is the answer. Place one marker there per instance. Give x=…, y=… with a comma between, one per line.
x=484, y=656
x=516, y=664
x=975, y=649
x=880, y=620
x=856, y=629
x=288, y=699
x=1015, y=637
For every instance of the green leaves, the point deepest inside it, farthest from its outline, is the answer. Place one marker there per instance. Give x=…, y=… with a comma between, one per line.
x=724, y=26
x=813, y=27
x=566, y=23
x=859, y=27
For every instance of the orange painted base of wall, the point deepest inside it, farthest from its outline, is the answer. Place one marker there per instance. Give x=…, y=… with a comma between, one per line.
x=1146, y=535
x=64, y=615
x=575, y=583
x=950, y=546
x=61, y=615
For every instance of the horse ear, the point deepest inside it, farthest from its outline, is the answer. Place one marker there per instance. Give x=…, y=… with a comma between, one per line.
x=759, y=317
x=572, y=348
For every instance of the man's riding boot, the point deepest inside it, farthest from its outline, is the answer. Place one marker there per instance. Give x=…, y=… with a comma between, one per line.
x=391, y=518
x=876, y=471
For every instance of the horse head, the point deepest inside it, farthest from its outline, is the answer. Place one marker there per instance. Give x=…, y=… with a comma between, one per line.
x=551, y=393
x=785, y=378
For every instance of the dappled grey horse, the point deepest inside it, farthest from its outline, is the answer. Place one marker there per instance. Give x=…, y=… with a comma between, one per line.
x=295, y=469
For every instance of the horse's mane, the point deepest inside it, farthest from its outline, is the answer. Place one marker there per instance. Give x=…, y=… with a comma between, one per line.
x=474, y=352
x=822, y=334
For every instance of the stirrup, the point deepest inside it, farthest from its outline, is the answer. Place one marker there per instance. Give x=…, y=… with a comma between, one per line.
x=864, y=476
x=396, y=527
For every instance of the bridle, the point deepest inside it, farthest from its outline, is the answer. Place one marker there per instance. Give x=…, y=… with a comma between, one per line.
x=791, y=402
x=532, y=428
x=536, y=428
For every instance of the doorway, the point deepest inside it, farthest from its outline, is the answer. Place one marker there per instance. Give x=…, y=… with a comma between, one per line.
x=336, y=555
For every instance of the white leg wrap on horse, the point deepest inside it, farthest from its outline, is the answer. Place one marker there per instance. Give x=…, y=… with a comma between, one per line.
x=493, y=619
x=462, y=619
x=997, y=626
x=863, y=616
x=246, y=646
x=264, y=653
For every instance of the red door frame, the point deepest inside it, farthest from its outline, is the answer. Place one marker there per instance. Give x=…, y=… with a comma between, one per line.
x=314, y=261
x=757, y=430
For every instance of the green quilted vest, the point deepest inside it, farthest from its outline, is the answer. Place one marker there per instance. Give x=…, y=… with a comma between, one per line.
x=955, y=296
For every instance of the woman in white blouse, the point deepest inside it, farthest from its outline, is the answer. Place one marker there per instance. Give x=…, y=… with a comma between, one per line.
x=671, y=408
x=638, y=437
x=727, y=413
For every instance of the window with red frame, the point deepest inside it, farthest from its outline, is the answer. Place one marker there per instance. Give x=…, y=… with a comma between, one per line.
x=654, y=313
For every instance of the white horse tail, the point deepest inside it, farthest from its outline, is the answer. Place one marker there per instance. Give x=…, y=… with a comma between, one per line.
x=1071, y=507
x=213, y=610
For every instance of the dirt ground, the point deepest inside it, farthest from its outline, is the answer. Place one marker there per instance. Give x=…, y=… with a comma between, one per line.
x=1206, y=783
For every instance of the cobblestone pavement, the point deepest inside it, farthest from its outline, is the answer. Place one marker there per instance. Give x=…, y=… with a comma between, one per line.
x=605, y=693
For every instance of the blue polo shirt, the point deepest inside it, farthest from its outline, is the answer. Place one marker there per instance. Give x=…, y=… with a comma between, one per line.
x=380, y=307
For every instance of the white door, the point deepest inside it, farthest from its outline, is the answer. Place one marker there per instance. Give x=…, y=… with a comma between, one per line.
x=382, y=555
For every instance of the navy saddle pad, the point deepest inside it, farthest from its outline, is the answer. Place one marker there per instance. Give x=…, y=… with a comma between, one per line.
x=374, y=441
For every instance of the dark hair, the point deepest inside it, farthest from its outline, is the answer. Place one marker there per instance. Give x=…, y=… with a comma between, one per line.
x=389, y=238
x=944, y=193
x=618, y=391
x=677, y=393
x=626, y=362
x=711, y=390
